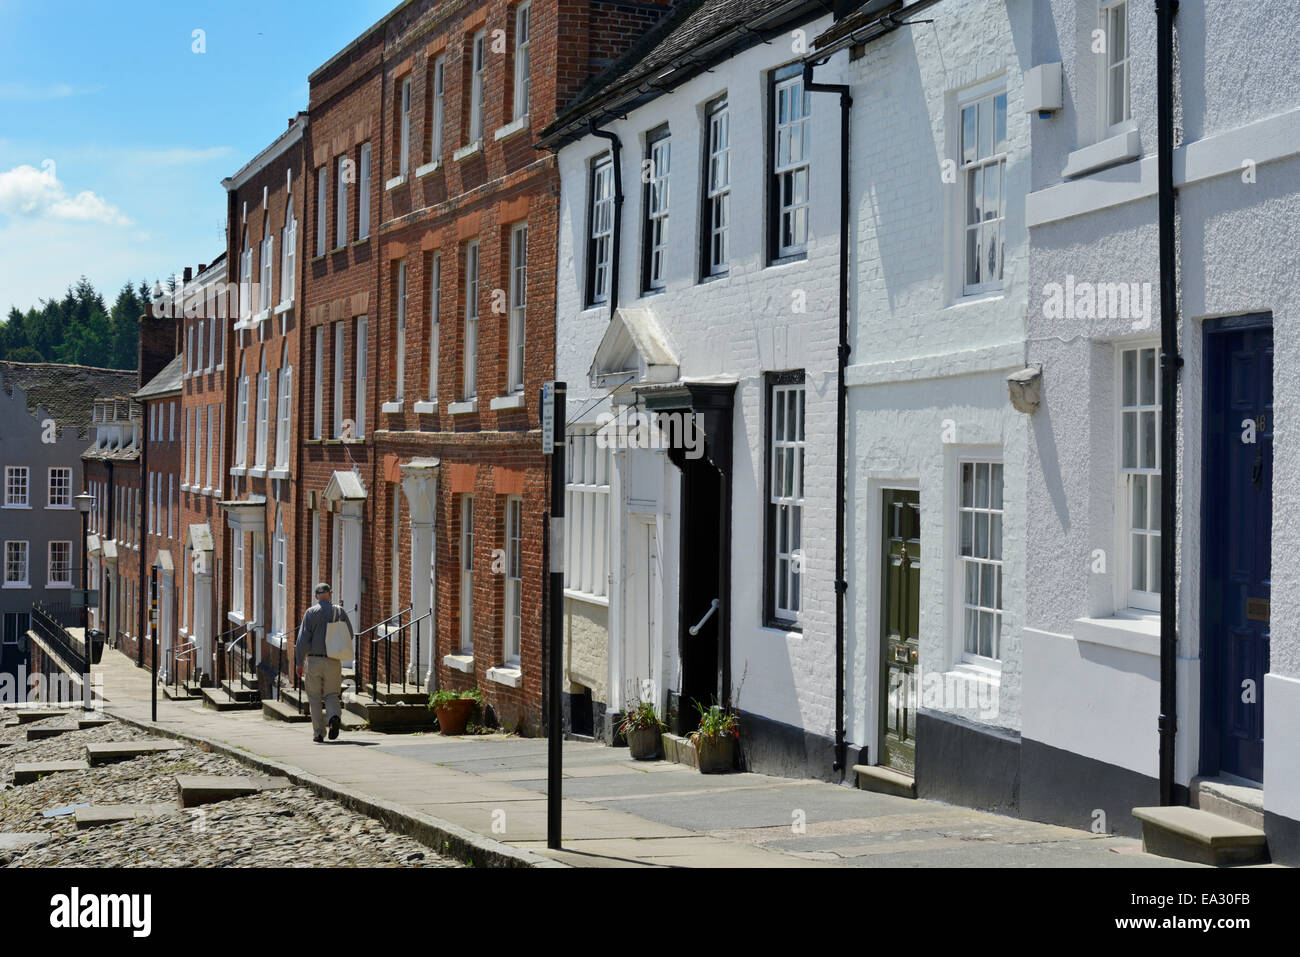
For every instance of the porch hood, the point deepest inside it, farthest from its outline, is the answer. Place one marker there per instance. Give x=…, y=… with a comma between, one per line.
x=634, y=349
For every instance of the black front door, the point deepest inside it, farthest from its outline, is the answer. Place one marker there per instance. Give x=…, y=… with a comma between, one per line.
x=1238, y=510
x=701, y=583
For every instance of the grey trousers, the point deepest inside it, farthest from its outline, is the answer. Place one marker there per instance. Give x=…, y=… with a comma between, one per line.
x=323, y=678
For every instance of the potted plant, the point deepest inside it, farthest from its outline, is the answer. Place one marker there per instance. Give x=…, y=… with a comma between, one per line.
x=453, y=709
x=715, y=740
x=641, y=727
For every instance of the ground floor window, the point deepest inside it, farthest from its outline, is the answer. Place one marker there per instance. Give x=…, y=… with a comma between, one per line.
x=979, y=559
x=514, y=578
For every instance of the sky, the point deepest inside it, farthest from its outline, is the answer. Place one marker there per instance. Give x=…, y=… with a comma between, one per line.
x=118, y=123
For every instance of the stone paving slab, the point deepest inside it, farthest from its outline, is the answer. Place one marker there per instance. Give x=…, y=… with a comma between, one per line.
x=104, y=752
x=49, y=731
x=106, y=814
x=26, y=773
x=196, y=789
x=12, y=845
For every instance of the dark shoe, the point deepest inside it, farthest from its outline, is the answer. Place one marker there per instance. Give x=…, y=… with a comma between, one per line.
x=318, y=739
x=334, y=727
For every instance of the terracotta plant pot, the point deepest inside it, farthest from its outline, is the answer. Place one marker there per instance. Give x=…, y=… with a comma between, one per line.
x=454, y=715
x=715, y=755
x=643, y=743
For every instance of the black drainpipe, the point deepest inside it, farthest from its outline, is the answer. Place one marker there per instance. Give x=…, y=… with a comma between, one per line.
x=1170, y=363
x=616, y=147
x=841, y=402
x=142, y=609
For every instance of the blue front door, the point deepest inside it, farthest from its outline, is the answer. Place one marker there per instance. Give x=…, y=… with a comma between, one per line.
x=1238, y=496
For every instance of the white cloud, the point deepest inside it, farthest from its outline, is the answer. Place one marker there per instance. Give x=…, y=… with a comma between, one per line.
x=37, y=194
x=26, y=93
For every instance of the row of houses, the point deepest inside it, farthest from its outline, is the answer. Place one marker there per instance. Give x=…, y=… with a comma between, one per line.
x=872, y=428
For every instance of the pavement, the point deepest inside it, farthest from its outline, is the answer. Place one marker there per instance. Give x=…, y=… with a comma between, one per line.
x=483, y=798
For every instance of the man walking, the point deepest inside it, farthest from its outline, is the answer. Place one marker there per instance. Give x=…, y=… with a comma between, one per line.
x=324, y=675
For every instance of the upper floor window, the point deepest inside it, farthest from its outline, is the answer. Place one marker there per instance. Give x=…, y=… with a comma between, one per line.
x=435, y=302
x=717, y=189
x=791, y=137
x=60, y=490
x=284, y=398
x=245, y=286
x=58, y=573
x=586, y=513
x=399, y=349
x=341, y=210
x=340, y=361
x=983, y=173
x=784, y=565
x=979, y=560
x=322, y=206
x=241, y=420
x=1139, y=467
x=522, y=82
x=514, y=579
x=363, y=343
x=438, y=108
x=404, y=129
x=1115, y=99
x=600, y=242
x=288, y=252
x=267, y=254
x=518, y=306
x=263, y=411
x=658, y=166
x=318, y=383
x=477, y=58
x=16, y=487
x=470, y=389
x=363, y=194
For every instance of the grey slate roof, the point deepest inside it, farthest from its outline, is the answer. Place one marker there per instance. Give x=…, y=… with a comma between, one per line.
x=66, y=392
x=165, y=382
x=696, y=32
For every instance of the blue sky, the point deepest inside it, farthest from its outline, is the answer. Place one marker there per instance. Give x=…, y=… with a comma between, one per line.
x=115, y=134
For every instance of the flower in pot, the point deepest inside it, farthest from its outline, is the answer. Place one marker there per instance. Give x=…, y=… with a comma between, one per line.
x=453, y=709
x=715, y=740
x=641, y=727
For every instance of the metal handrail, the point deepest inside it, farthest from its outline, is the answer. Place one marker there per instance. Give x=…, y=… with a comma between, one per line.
x=401, y=631
x=408, y=608
x=181, y=652
x=244, y=654
x=76, y=654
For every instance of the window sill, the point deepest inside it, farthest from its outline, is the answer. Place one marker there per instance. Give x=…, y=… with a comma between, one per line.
x=465, y=152
x=235, y=617
x=278, y=474
x=257, y=473
x=318, y=257
x=64, y=586
x=15, y=586
x=515, y=401
x=339, y=249
x=715, y=276
x=428, y=168
x=510, y=677
x=283, y=307
x=20, y=508
x=392, y=408
x=240, y=326
x=462, y=663
x=1128, y=630
x=235, y=470
x=426, y=408
x=277, y=640
x=261, y=317
x=513, y=128
x=361, y=242
x=395, y=182
x=976, y=296
x=59, y=508
x=468, y=407
x=1120, y=148
x=788, y=258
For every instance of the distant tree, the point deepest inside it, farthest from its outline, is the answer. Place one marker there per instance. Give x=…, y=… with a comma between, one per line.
x=125, y=322
x=24, y=354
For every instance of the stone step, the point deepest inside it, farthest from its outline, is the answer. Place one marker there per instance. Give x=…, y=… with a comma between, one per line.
x=220, y=700
x=1190, y=834
x=181, y=693
x=85, y=724
x=395, y=694
x=679, y=749
x=196, y=789
x=103, y=814
x=38, y=714
x=49, y=731
x=106, y=752
x=883, y=780
x=387, y=718
x=1233, y=798
x=241, y=691
x=282, y=711
x=27, y=773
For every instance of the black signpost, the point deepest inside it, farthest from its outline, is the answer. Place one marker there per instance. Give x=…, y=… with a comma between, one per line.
x=153, y=637
x=553, y=441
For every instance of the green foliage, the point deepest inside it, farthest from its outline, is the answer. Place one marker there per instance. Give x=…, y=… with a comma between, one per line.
x=640, y=718
x=79, y=329
x=715, y=722
x=444, y=696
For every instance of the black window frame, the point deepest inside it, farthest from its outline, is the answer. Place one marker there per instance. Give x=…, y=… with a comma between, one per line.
x=770, y=381
x=718, y=104
x=652, y=139
x=774, y=255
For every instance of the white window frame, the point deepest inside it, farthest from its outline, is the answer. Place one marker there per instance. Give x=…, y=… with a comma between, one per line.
x=341, y=204
x=17, y=559
x=718, y=188
x=478, y=59
x=64, y=481
x=198, y=338
x=279, y=578
x=171, y=497
x=518, y=299
x=659, y=158
x=600, y=242
x=171, y=421
x=340, y=356
x=439, y=111
x=322, y=209
x=435, y=317
x=787, y=449
x=245, y=287
x=198, y=447
x=791, y=146
x=995, y=559
x=267, y=254
x=514, y=580
x=399, y=347
x=288, y=253
x=18, y=480
x=586, y=514
x=361, y=378
x=241, y=418
x=1141, y=600
x=467, y=574
x=363, y=194
x=237, y=573
x=283, y=412
x=210, y=484
x=51, y=578
x=973, y=173
x=1108, y=69
x=263, y=412
x=404, y=143
x=469, y=385
x=318, y=385
x=522, y=64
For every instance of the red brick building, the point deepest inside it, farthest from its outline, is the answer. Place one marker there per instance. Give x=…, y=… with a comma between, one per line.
x=111, y=467
x=263, y=593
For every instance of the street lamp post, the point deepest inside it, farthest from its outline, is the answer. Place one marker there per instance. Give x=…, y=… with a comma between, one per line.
x=84, y=502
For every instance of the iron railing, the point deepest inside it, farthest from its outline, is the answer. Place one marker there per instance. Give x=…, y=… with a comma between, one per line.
x=244, y=653
x=74, y=651
x=185, y=651
x=396, y=627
